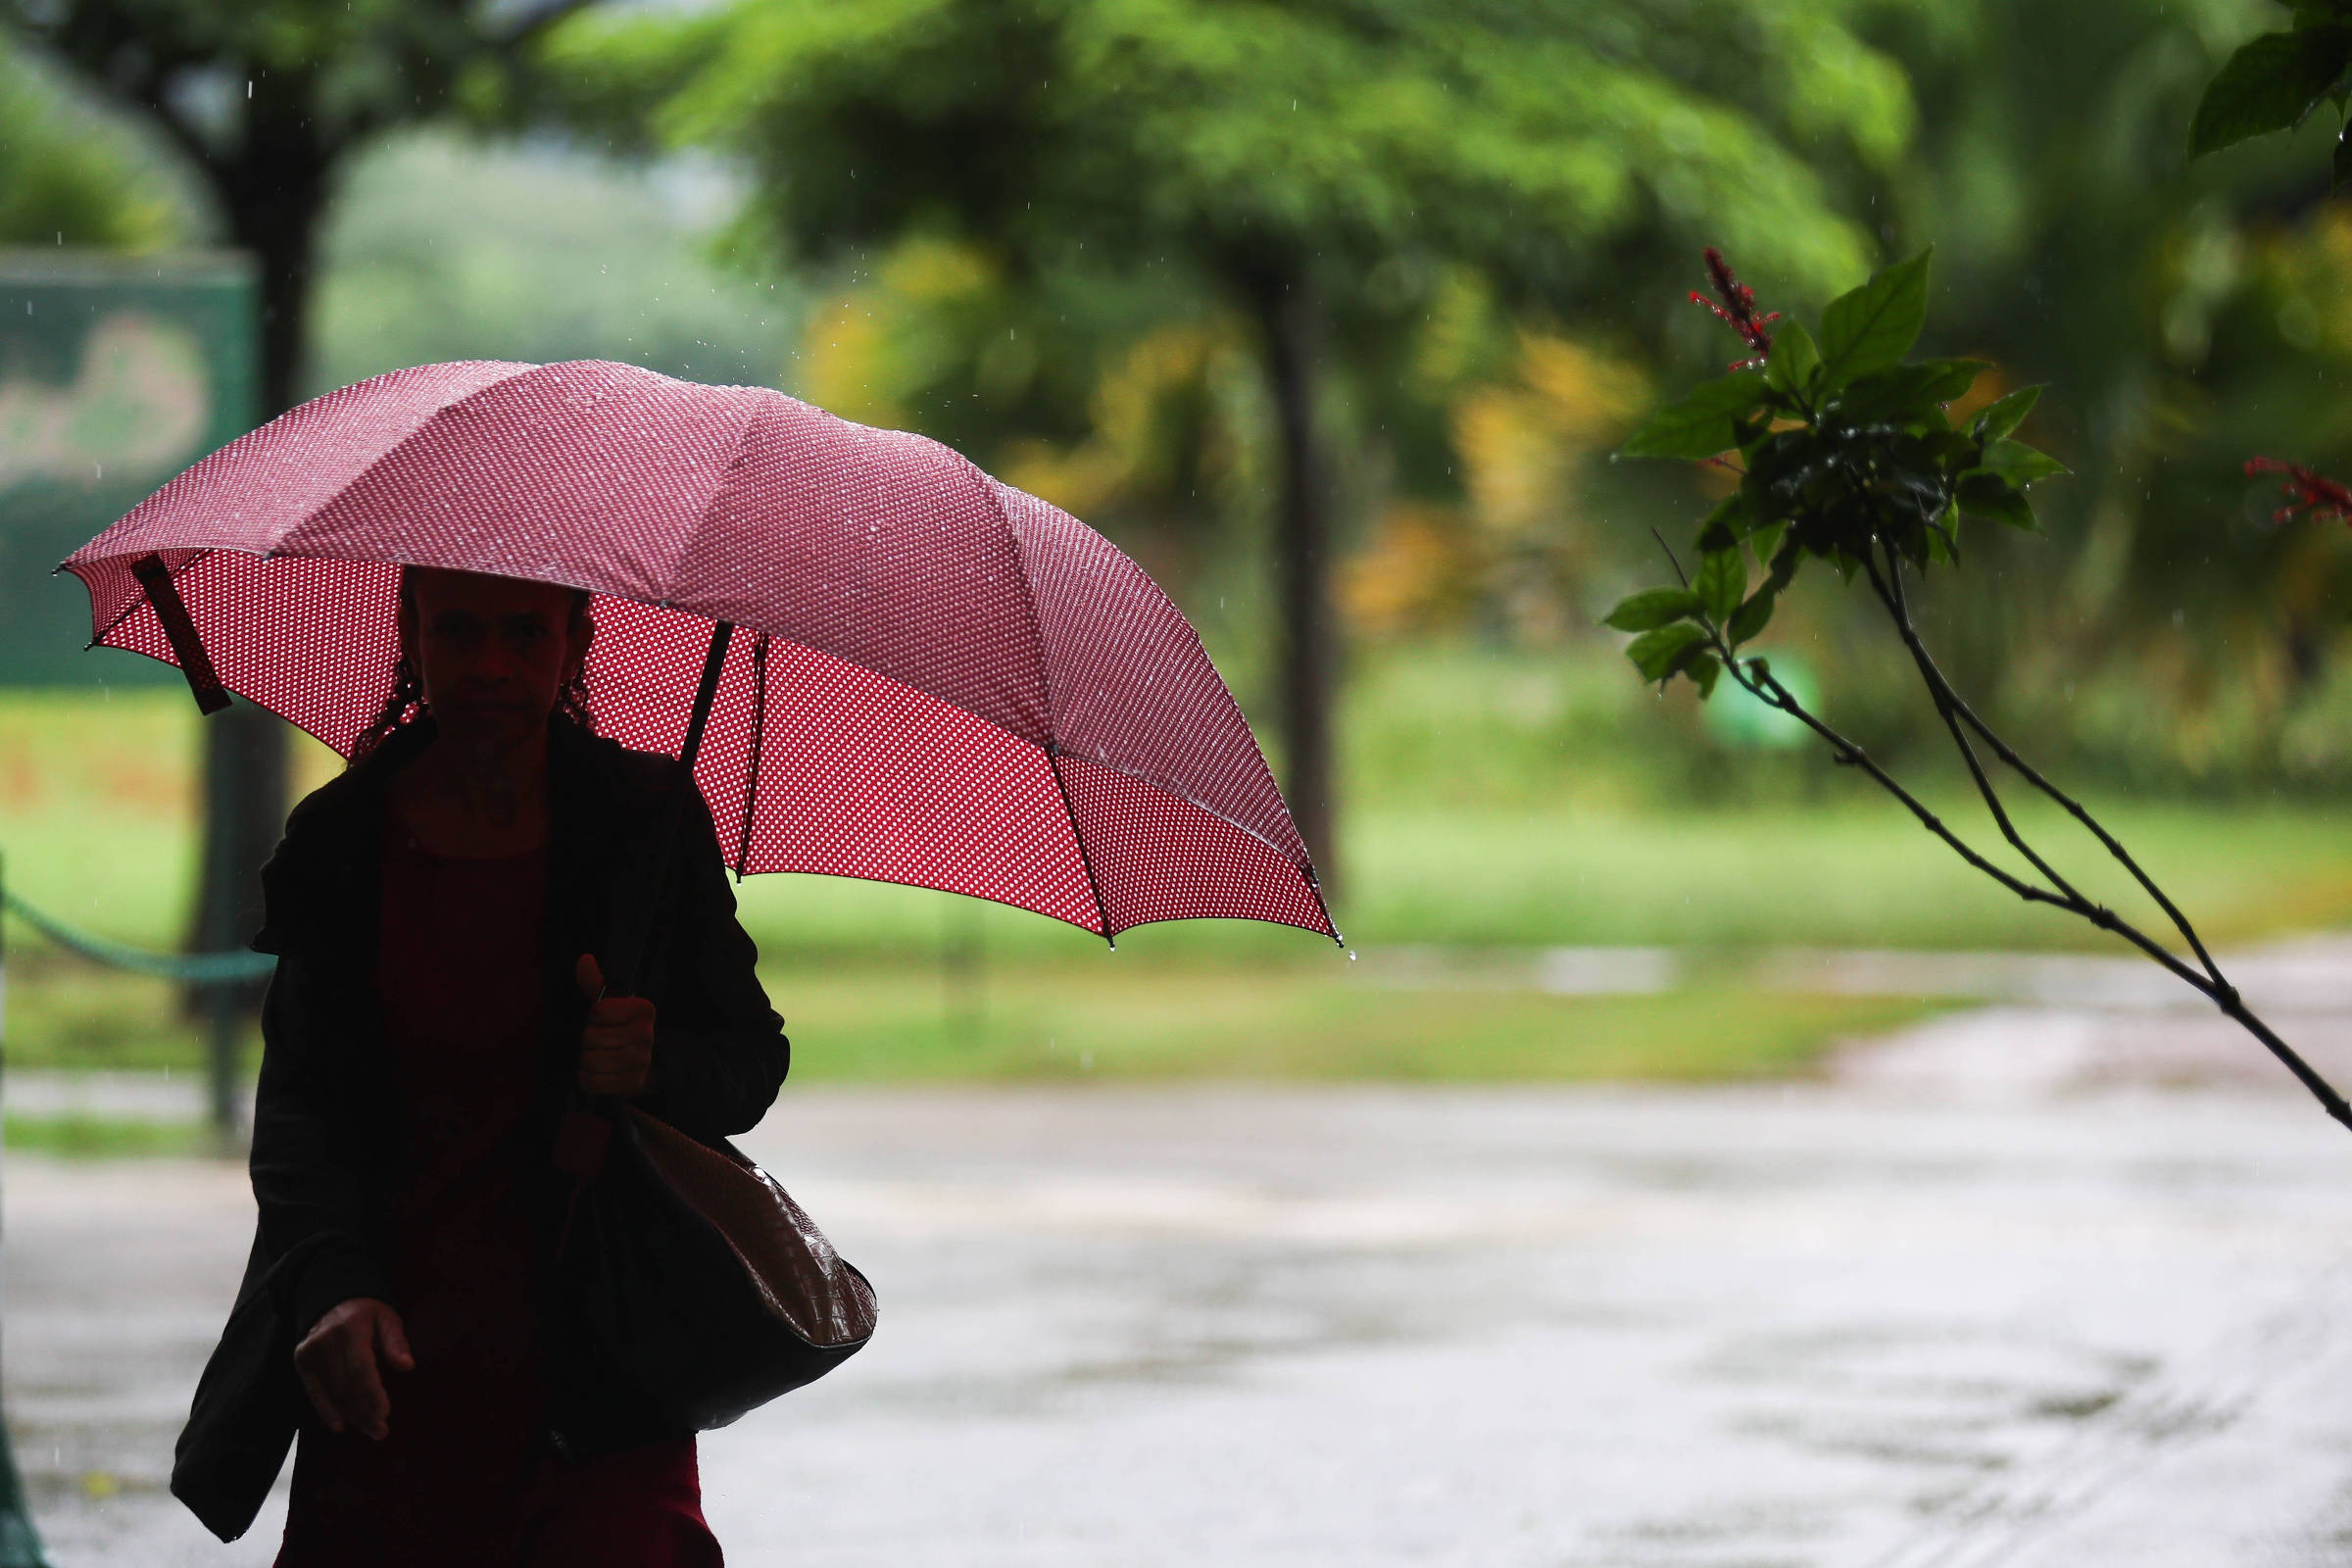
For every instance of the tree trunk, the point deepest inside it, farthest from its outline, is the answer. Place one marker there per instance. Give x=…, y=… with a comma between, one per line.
x=275, y=192
x=1291, y=319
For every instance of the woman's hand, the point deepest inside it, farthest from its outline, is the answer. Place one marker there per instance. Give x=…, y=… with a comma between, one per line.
x=616, y=1048
x=337, y=1361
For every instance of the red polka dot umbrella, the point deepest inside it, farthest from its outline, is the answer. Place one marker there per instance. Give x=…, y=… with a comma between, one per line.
x=912, y=672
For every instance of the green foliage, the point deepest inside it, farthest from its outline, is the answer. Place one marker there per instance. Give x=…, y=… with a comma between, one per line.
x=1873, y=327
x=1845, y=451
x=1654, y=607
x=1244, y=131
x=223, y=74
x=2277, y=80
x=67, y=177
x=1703, y=422
x=441, y=248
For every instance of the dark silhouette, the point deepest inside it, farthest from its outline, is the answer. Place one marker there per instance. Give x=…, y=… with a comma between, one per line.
x=437, y=911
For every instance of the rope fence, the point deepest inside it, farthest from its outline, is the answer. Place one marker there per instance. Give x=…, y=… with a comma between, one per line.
x=215, y=976
x=193, y=968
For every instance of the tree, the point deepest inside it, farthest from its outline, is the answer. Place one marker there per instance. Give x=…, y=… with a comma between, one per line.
x=65, y=180
x=266, y=99
x=1308, y=166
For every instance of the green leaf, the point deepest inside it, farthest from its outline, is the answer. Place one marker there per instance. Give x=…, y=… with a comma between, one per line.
x=1753, y=616
x=1726, y=524
x=1943, y=538
x=1902, y=393
x=1722, y=581
x=1654, y=607
x=1988, y=495
x=1766, y=542
x=1658, y=655
x=2000, y=418
x=1700, y=425
x=2021, y=464
x=1793, y=360
x=1875, y=325
x=1703, y=668
x=2339, y=165
x=2270, y=85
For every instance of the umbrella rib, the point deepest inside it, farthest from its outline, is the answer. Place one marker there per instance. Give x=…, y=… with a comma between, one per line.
x=132, y=608
x=1085, y=860
x=751, y=777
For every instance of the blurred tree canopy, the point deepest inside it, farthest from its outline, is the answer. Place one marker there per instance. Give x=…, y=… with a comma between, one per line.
x=2178, y=313
x=264, y=100
x=1310, y=173
x=1044, y=232
x=67, y=178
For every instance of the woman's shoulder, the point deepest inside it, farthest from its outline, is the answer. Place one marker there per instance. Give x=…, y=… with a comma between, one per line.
x=628, y=777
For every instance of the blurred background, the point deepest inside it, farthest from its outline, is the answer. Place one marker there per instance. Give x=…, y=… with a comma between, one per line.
x=1331, y=316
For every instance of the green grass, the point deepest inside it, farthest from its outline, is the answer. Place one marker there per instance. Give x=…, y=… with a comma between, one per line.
x=1117, y=1020
x=64, y=1013
x=77, y=1136
x=97, y=806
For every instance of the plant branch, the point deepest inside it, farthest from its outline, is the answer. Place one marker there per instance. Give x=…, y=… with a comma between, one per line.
x=1762, y=685
x=1759, y=682
x=1889, y=590
x=1944, y=693
x=2211, y=984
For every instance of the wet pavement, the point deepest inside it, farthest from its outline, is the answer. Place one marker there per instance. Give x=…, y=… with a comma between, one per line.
x=1999, y=1291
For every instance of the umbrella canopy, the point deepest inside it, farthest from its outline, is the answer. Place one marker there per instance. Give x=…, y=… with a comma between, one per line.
x=935, y=679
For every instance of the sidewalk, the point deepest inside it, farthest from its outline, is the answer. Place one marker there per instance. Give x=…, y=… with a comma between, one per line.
x=1917, y=1312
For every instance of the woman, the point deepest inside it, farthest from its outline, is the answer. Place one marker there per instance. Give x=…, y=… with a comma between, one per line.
x=437, y=911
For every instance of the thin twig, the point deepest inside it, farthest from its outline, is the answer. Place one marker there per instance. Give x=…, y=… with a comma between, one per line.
x=1944, y=691
x=1761, y=685
x=1891, y=594
x=2211, y=984
x=1765, y=688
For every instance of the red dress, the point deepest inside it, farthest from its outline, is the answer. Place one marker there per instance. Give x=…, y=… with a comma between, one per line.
x=463, y=1478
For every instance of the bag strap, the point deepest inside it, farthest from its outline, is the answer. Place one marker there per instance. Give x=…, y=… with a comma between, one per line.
x=584, y=1131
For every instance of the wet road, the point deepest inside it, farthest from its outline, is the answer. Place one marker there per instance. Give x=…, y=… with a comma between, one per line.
x=1929, y=1312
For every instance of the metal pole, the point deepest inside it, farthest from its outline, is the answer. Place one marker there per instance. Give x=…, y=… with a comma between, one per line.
x=20, y=1543
x=224, y=1015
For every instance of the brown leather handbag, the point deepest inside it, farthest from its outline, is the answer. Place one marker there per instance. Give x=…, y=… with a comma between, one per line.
x=692, y=1276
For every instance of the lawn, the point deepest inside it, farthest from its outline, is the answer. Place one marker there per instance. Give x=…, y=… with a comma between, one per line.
x=96, y=813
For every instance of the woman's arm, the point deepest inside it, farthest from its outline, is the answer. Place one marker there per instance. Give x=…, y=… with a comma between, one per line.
x=306, y=1177
x=719, y=1051
x=308, y=1147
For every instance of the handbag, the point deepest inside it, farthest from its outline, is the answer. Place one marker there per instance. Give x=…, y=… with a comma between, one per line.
x=690, y=1279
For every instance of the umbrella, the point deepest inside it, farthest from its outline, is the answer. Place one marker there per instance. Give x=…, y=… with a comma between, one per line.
x=878, y=661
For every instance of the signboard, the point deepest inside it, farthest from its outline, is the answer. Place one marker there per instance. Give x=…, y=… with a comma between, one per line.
x=116, y=373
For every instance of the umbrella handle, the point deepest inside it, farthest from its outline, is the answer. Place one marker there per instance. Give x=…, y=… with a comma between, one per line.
x=179, y=628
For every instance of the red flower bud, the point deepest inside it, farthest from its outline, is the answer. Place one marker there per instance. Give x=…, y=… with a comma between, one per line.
x=2305, y=490
x=1737, y=309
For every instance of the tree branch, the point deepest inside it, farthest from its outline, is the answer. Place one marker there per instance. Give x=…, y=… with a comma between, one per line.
x=2211, y=984
x=1944, y=693
x=1891, y=595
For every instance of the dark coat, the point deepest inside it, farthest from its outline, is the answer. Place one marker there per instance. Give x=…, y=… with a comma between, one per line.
x=325, y=1158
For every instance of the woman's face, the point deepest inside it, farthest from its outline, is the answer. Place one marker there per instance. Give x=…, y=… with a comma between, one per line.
x=492, y=653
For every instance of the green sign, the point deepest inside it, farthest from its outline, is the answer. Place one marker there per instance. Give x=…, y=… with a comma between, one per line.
x=116, y=373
